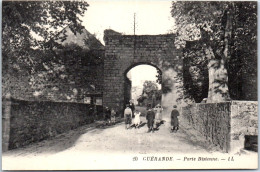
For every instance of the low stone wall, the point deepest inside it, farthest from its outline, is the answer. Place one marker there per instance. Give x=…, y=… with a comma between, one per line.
x=29, y=122
x=244, y=122
x=224, y=124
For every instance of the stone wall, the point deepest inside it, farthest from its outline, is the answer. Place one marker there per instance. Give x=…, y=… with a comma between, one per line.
x=123, y=52
x=224, y=124
x=244, y=121
x=29, y=121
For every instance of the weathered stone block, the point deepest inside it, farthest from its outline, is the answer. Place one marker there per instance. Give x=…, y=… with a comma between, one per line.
x=224, y=124
x=132, y=50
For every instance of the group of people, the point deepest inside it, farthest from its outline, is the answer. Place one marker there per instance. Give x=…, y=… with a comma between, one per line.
x=110, y=116
x=153, y=117
x=129, y=114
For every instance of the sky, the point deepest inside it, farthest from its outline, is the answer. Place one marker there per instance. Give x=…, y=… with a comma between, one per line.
x=152, y=17
x=139, y=74
x=138, y=77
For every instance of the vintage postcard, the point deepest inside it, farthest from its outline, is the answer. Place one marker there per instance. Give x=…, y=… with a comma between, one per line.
x=129, y=85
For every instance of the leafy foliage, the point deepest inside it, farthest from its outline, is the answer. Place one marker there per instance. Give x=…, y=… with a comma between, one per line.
x=30, y=30
x=150, y=92
x=242, y=66
x=30, y=24
x=225, y=31
x=67, y=71
x=195, y=72
x=149, y=87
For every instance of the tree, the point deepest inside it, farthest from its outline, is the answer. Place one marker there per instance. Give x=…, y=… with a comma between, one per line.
x=242, y=68
x=149, y=87
x=151, y=93
x=141, y=99
x=30, y=26
x=195, y=72
x=215, y=26
x=69, y=70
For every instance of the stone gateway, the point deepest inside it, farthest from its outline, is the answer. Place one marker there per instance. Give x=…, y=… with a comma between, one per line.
x=123, y=52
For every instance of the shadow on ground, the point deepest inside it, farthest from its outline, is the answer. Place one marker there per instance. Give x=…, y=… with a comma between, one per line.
x=59, y=142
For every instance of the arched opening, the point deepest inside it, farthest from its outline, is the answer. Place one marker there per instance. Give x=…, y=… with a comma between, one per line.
x=143, y=85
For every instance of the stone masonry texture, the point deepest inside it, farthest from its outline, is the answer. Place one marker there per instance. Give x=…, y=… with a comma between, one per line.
x=224, y=124
x=32, y=121
x=123, y=52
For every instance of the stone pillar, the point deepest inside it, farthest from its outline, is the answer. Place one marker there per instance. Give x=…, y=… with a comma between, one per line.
x=6, y=122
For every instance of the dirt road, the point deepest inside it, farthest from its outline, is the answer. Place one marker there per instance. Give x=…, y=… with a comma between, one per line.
x=88, y=146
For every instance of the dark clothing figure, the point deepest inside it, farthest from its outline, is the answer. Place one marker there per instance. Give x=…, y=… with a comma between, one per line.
x=132, y=107
x=107, y=115
x=150, y=119
x=174, y=120
x=91, y=113
x=95, y=112
x=128, y=117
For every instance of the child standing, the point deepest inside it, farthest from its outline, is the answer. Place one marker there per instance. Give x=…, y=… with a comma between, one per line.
x=137, y=120
x=113, y=116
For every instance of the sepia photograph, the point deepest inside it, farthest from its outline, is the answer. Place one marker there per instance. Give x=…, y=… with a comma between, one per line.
x=129, y=85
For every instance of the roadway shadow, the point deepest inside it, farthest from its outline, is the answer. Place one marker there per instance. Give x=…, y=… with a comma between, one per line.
x=138, y=127
x=132, y=126
x=52, y=144
x=142, y=124
x=158, y=125
x=61, y=141
x=105, y=124
x=162, y=122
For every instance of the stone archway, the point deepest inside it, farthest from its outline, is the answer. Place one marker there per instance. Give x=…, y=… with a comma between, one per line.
x=122, y=52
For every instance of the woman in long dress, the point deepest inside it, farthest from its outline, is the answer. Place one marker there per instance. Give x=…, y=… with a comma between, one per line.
x=158, y=115
x=137, y=120
x=174, y=119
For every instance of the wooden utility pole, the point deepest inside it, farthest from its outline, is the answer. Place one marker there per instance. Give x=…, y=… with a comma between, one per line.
x=134, y=35
x=134, y=23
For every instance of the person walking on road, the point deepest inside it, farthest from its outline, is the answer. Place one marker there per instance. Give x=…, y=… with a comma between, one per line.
x=137, y=120
x=174, y=119
x=132, y=107
x=150, y=118
x=158, y=115
x=128, y=116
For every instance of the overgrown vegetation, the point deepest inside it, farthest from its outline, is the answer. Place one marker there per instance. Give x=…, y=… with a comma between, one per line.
x=226, y=37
